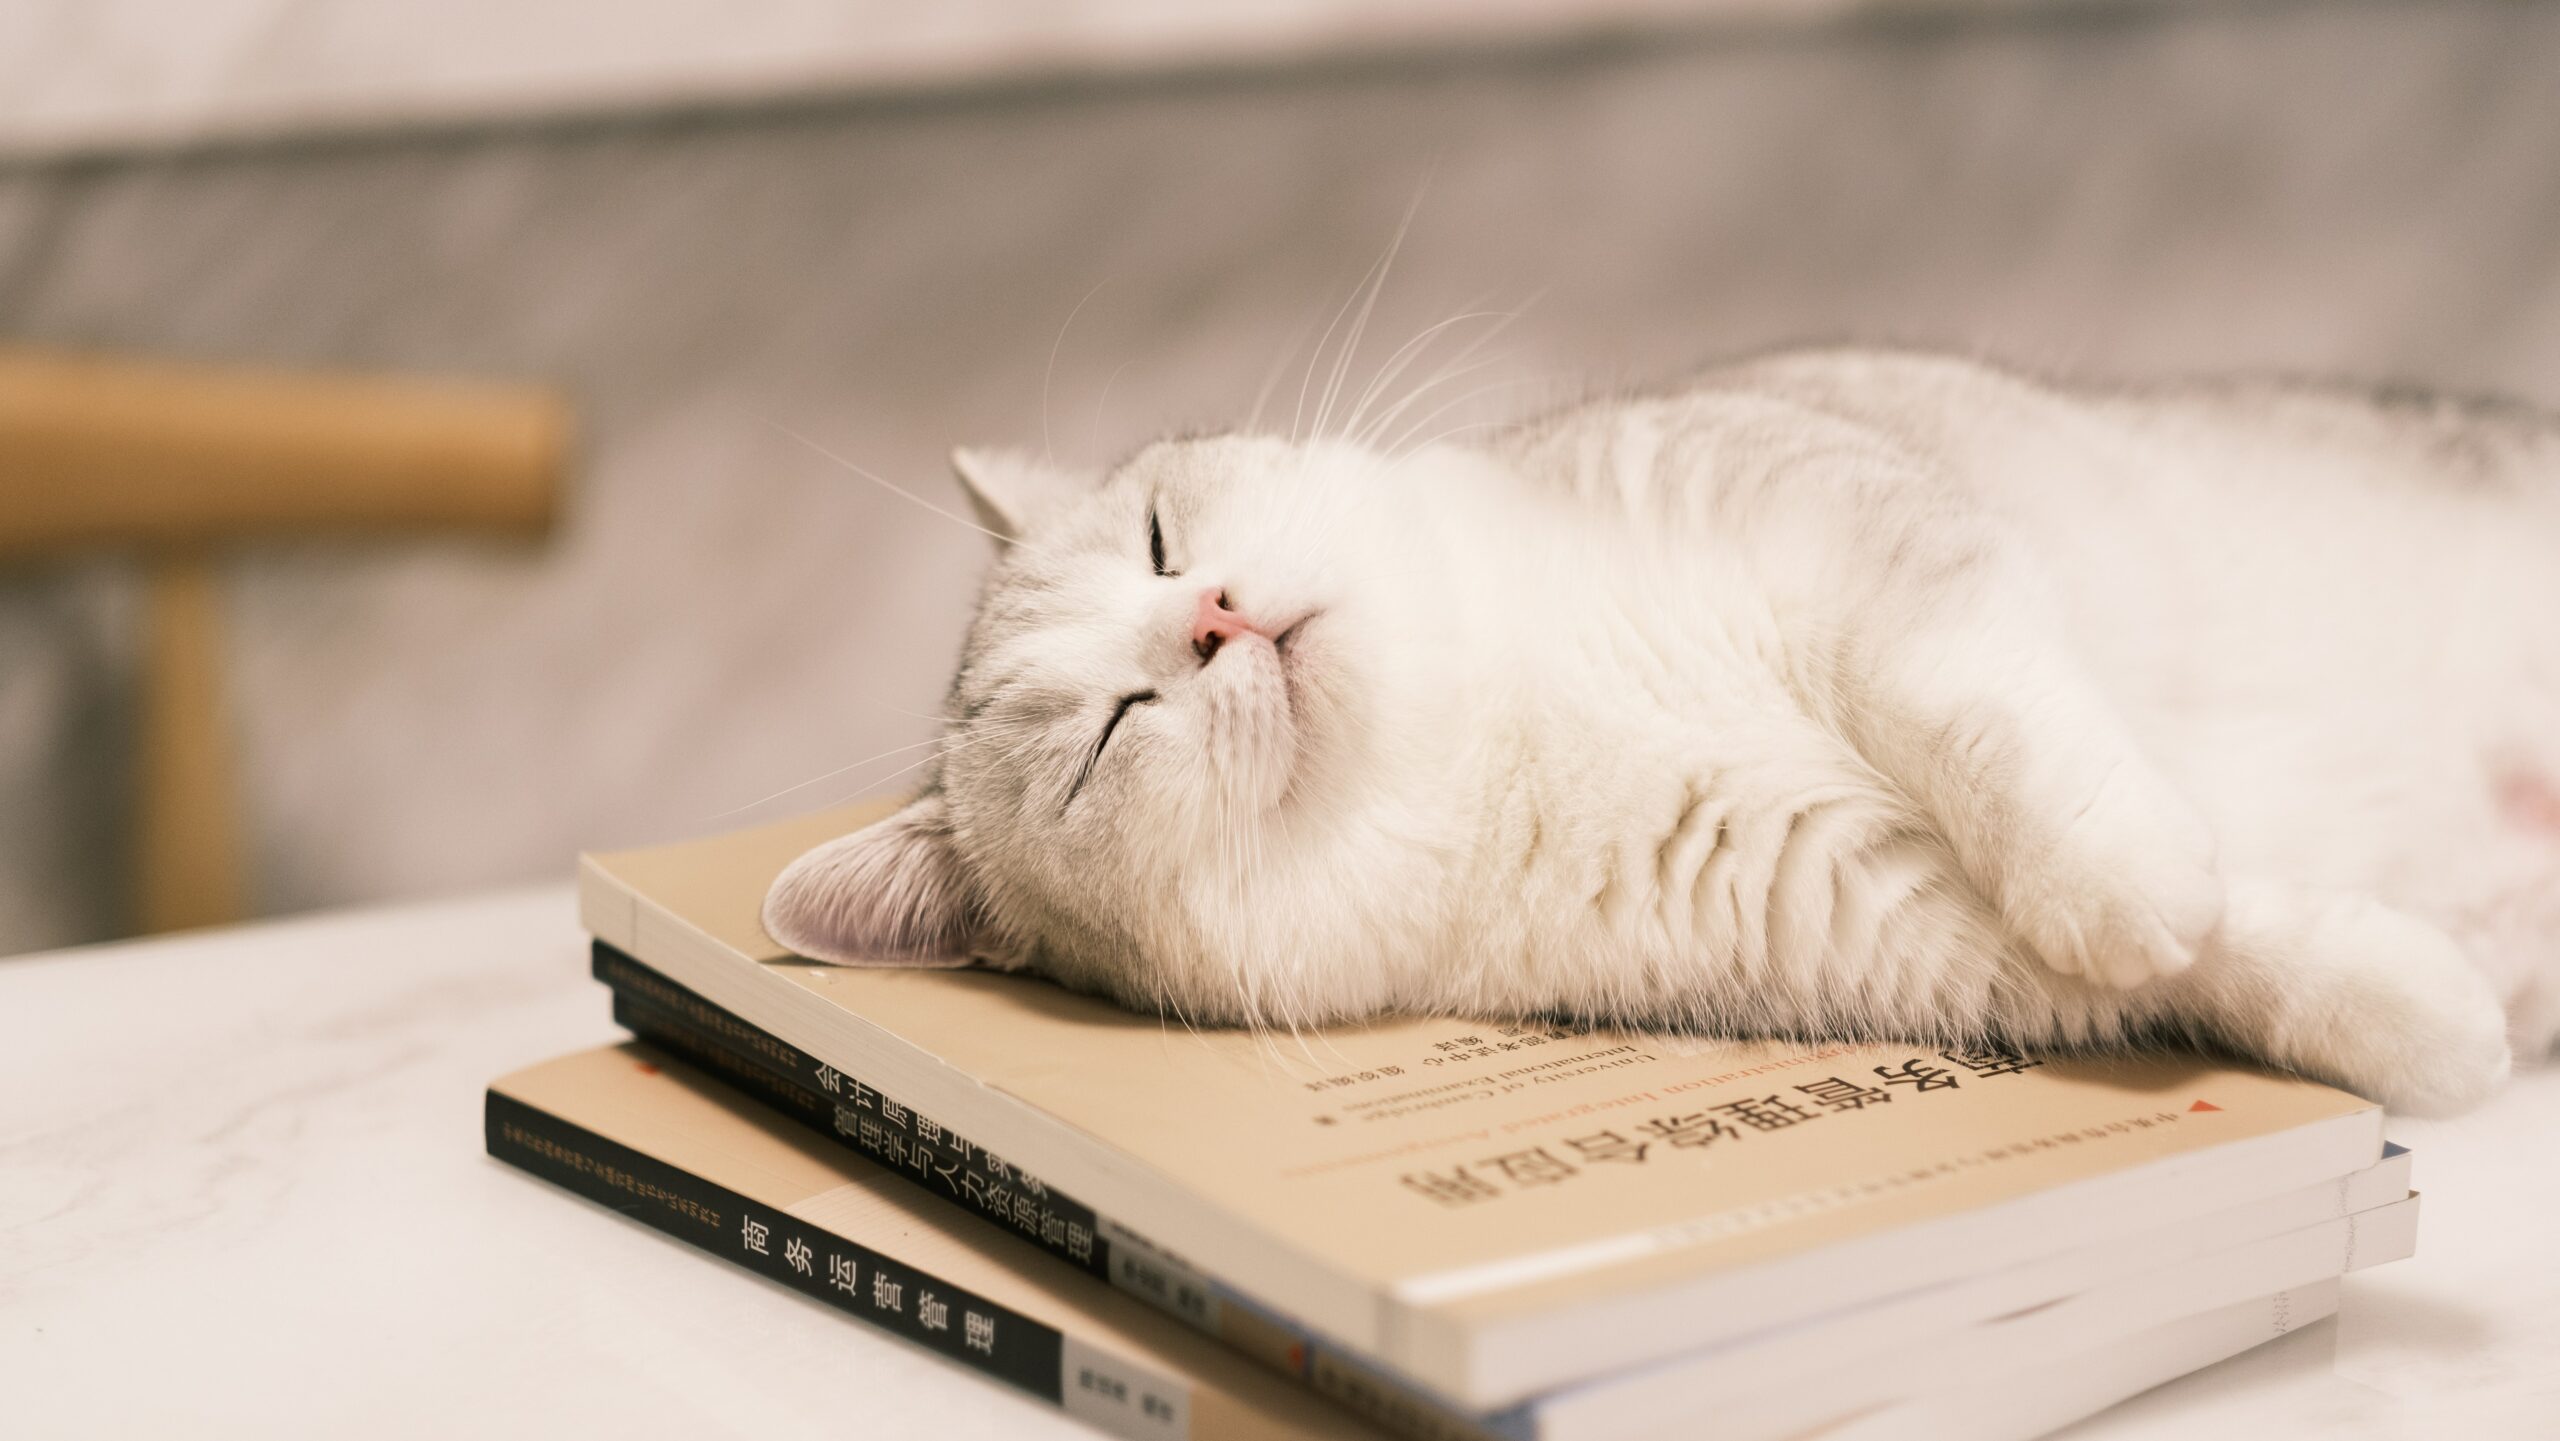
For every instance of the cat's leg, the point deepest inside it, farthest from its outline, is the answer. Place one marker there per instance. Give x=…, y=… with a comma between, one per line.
x=1965, y=700
x=2331, y=984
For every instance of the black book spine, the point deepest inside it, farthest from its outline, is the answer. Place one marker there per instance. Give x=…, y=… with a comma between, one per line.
x=854, y=1279
x=883, y=1128
x=660, y=1028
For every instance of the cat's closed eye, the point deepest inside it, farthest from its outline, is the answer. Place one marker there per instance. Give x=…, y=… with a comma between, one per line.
x=1155, y=544
x=1085, y=772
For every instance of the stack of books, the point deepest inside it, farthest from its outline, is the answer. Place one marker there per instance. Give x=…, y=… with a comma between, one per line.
x=1448, y=1228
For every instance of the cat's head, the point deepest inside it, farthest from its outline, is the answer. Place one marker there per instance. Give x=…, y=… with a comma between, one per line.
x=1197, y=746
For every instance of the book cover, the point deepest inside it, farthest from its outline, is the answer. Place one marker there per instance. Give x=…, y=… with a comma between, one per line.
x=1480, y=1205
x=646, y=1136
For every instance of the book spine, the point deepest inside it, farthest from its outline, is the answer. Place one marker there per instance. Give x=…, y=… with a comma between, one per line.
x=915, y=1305
x=933, y=1157
x=1022, y=1352
x=882, y=1127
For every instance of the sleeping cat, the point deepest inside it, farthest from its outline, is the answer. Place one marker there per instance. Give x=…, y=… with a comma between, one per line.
x=1837, y=694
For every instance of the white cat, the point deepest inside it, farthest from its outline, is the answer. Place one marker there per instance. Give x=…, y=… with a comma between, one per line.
x=1836, y=694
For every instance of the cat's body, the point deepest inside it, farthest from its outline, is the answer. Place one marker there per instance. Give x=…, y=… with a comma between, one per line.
x=1839, y=693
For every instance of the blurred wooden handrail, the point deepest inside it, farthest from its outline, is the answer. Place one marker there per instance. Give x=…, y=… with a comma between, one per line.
x=176, y=461
x=100, y=453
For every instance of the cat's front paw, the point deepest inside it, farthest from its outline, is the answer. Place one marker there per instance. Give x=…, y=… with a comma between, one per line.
x=2466, y=1065
x=2126, y=892
x=2390, y=1008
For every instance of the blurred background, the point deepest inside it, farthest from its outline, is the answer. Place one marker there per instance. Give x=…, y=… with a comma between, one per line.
x=713, y=229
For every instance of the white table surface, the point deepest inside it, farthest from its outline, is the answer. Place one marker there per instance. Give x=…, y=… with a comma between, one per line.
x=242, y=1193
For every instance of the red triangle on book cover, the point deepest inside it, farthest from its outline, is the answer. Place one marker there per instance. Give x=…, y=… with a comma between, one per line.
x=2204, y=1106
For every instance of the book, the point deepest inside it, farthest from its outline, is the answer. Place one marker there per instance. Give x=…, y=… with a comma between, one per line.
x=1836, y=1361
x=640, y=1133
x=1495, y=1211
x=2020, y=1403
x=1933, y=1360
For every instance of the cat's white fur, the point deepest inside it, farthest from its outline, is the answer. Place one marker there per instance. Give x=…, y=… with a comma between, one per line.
x=1843, y=693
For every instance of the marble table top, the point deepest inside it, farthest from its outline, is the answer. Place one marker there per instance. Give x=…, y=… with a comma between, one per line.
x=242, y=1193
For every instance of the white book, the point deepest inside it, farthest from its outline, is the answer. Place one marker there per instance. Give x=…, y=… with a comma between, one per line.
x=2024, y=1403
x=1975, y=1357
x=1492, y=1212
x=1861, y=1355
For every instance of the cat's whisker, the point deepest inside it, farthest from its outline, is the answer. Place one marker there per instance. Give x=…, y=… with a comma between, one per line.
x=824, y=776
x=1455, y=366
x=1397, y=363
x=874, y=788
x=1050, y=371
x=935, y=717
x=1271, y=377
x=897, y=490
x=1168, y=999
x=1316, y=356
x=1360, y=326
x=1402, y=446
x=948, y=743
x=1298, y=1036
x=1371, y=281
x=1101, y=404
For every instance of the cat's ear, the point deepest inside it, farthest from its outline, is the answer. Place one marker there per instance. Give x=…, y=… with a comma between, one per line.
x=1011, y=488
x=890, y=894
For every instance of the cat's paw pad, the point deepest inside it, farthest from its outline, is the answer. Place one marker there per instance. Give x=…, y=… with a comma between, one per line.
x=2127, y=893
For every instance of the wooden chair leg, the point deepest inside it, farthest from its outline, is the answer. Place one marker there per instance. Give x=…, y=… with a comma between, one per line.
x=174, y=461
x=187, y=826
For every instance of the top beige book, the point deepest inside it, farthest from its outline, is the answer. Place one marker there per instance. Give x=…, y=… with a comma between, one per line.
x=1494, y=1209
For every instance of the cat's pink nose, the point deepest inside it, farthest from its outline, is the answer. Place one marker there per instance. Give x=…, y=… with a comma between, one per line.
x=1213, y=623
